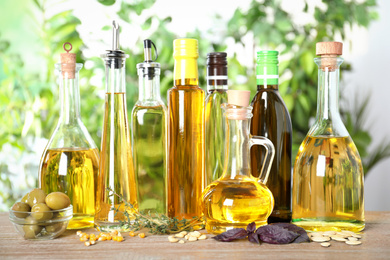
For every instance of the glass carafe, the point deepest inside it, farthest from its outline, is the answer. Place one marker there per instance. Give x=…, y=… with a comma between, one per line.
x=237, y=198
x=70, y=160
x=328, y=173
x=116, y=160
x=149, y=136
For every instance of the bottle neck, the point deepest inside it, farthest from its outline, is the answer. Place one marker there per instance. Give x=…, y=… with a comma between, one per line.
x=185, y=71
x=149, y=86
x=115, y=75
x=69, y=96
x=328, y=89
x=238, y=147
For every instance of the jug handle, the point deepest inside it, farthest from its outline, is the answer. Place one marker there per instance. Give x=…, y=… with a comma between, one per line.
x=269, y=156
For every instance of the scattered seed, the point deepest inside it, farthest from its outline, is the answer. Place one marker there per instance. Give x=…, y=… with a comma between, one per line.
x=187, y=236
x=326, y=244
x=320, y=239
x=202, y=237
x=181, y=242
x=87, y=243
x=338, y=238
x=173, y=240
x=184, y=232
x=132, y=234
x=179, y=235
x=353, y=243
x=357, y=236
x=192, y=239
x=329, y=233
x=316, y=234
x=141, y=235
x=352, y=239
x=78, y=233
x=93, y=242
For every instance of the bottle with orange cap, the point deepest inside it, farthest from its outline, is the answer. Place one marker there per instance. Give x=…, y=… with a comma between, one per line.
x=238, y=198
x=185, y=177
x=328, y=173
x=70, y=161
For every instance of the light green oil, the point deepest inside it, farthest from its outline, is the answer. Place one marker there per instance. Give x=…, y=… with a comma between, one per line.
x=149, y=154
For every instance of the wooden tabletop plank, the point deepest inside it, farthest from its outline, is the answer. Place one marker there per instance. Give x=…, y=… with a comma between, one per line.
x=375, y=245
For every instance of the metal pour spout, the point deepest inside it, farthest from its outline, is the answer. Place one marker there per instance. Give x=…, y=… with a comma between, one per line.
x=115, y=36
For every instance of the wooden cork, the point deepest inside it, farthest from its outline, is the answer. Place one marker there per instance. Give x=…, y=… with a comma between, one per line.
x=68, y=62
x=238, y=98
x=329, y=52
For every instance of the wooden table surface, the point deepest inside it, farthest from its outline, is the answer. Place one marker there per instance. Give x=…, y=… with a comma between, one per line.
x=375, y=245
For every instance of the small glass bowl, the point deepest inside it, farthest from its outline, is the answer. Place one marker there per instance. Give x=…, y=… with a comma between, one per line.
x=32, y=229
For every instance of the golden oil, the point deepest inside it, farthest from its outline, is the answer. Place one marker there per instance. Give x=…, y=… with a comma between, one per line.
x=328, y=169
x=73, y=171
x=116, y=166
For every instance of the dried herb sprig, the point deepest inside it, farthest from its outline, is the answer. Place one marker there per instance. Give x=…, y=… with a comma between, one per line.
x=159, y=224
x=277, y=233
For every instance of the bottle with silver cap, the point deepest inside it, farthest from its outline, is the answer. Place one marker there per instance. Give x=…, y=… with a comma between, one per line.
x=116, y=159
x=217, y=87
x=149, y=135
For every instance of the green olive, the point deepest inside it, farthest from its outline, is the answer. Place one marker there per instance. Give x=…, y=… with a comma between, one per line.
x=30, y=228
x=57, y=200
x=25, y=198
x=30, y=231
x=54, y=228
x=36, y=196
x=41, y=212
x=23, y=207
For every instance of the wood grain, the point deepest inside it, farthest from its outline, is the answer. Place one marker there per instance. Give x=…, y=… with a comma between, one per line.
x=376, y=245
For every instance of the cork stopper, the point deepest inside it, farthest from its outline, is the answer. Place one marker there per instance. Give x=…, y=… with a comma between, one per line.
x=68, y=62
x=329, y=48
x=239, y=97
x=329, y=52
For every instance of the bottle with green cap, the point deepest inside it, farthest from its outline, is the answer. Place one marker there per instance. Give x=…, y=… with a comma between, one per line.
x=272, y=120
x=185, y=178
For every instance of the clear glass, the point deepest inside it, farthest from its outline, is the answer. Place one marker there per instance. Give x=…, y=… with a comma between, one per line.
x=116, y=160
x=328, y=174
x=237, y=198
x=149, y=139
x=215, y=133
x=185, y=141
x=70, y=160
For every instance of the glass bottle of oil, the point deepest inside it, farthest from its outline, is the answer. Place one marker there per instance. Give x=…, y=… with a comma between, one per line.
x=185, y=134
x=70, y=160
x=237, y=198
x=217, y=87
x=149, y=134
x=116, y=160
x=272, y=120
x=328, y=173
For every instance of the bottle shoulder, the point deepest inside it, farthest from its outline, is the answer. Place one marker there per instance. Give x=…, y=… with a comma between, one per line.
x=190, y=88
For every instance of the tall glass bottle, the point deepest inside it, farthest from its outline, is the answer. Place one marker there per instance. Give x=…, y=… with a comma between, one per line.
x=237, y=198
x=149, y=134
x=214, y=121
x=328, y=173
x=70, y=160
x=272, y=120
x=185, y=134
x=116, y=160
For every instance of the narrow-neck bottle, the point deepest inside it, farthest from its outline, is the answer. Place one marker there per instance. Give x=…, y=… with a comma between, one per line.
x=185, y=134
x=237, y=198
x=328, y=173
x=149, y=134
x=70, y=160
x=217, y=86
x=116, y=160
x=272, y=120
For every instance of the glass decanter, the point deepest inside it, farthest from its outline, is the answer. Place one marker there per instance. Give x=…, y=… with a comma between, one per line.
x=116, y=159
x=328, y=173
x=237, y=198
x=70, y=161
x=149, y=136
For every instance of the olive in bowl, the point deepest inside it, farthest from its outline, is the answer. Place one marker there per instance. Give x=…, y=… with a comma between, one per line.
x=40, y=221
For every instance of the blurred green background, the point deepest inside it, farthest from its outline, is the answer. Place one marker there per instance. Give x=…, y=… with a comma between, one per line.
x=33, y=32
